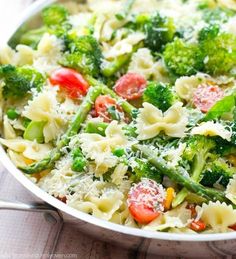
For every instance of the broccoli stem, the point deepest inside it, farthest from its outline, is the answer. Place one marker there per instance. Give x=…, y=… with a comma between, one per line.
x=126, y=106
x=176, y=175
x=198, y=166
x=80, y=117
x=127, y=8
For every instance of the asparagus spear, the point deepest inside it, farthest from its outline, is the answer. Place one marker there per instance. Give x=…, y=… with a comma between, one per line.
x=176, y=175
x=73, y=129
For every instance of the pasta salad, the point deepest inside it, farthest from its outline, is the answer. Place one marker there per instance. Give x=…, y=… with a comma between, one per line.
x=125, y=110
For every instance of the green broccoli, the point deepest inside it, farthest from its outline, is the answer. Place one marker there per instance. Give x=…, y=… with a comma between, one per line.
x=144, y=169
x=54, y=14
x=55, y=20
x=209, y=32
x=219, y=53
x=217, y=15
x=84, y=54
x=217, y=172
x=183, y=58
x=160, y=95
x=159, y=30
x=18, y=81
x=197, y=152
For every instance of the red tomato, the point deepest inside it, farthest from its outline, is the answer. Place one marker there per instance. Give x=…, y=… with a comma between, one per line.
x=146, y=201
x=102, y=103
x=130, y=86
x=71, y=81
x=198, y=225
x=206, y=95
x=233, y=227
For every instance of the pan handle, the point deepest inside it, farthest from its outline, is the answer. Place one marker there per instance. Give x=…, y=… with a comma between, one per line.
x=31, y=207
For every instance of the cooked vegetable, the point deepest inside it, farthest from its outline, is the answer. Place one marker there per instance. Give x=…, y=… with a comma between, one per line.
x=75, y=125
x=206, y=96
x=160, y=95
x=221, y=107
x=183, y=58
x=176, y=175
x=143, y=169
x=34, y=131
x=54, y=14
x=197, y=225
x=71, y=81
x=12, y=114
x=145, y=201
x=18, y=81
x=84, y=54
x=96, y=127
x=216, y=173
x=79, y=161
x=170, y=194
x=159, y=30
x=197, y=152
x=33, y=37
x=217, y=15
x=219, y=53
x=130, y=86
x=102, y=105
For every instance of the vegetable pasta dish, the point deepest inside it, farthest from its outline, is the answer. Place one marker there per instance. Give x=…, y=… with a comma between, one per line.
x=125, y=110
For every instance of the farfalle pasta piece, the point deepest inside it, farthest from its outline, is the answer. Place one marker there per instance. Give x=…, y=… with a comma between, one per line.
x=48, y=54
x=211, y=128
x=28, y=149
x=23, y=55
x=99, y=148
x=98, y=198
x=186, y=85
x=176, y=218
x=119, y=173
x=45, y=107
x=142, y=62
x=124, y=46
x=151, y=121
x=231, y=190
x=218, y=216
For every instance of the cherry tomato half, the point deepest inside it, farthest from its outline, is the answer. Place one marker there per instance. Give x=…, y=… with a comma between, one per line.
x=206, y=95
x=130, y=86
x=198, y=225
x=233, y=227
x=145, y=201
x=71, y=81
x=102, y=104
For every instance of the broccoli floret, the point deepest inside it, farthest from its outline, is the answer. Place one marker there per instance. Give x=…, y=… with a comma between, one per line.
x=217, y=15
x=79, y=162
x=217, y=172
x=159, y=30
x=197, y=151
x=84, y=54
x=143, y=169
x=54, y=14
x=19, y=80
x=160, y=95
x=183, y=58
x=209, y=32
x=219, y=53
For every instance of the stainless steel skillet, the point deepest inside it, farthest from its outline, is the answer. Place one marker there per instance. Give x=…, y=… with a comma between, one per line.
x=167, y=244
